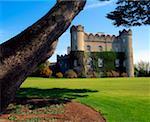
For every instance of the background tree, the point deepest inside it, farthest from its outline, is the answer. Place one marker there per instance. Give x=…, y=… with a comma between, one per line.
x=43, y=70
x=142, y=69
x=131, y=13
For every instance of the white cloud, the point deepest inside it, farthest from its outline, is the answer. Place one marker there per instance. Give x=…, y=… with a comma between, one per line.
x=98, y=4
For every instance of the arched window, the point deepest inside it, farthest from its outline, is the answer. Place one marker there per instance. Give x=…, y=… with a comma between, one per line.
x=100, y=48
x=88, y=48
x=75, y=63
x=117, y=49
x=124, y=40
x=117, y=62
x=124, y=63
x=75, y=47
x=100, y=62
x=89, y=62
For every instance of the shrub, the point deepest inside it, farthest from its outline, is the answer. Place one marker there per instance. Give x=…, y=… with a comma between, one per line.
x=80, y=73
x=124, y=74
x=91, y=74
x=115, y=74
x=109, y=74
x=112, y=74
x=46, y=72
x=59, y=75
x=70, y=74
x=40, y=70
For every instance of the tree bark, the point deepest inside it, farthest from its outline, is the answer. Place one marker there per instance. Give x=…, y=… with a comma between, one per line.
x=20, y=55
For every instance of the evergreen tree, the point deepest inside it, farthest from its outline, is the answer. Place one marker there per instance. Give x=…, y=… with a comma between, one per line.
x=131, y=13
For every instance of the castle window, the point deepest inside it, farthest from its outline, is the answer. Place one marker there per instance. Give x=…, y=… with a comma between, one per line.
x=100, y=48
x=65, y=65
x=74, y=37
x=117, y=49
x=117, y=64
x=89, y=48
x=124, y=63
x=75, y=63
x=76, y=47
x=100, y=62
x=89, y=62
x=124, y=40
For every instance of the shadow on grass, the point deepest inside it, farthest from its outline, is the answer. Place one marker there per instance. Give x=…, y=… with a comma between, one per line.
x=38, y=98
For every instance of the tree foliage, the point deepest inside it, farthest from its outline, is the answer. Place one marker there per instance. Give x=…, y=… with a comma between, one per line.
x=142, y=69
x=131, y=13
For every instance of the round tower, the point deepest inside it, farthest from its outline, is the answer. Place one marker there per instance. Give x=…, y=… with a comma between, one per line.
x=127, y=35
x=80, y=38
x=77, y=38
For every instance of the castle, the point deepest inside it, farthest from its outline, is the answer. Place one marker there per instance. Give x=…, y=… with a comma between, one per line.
x=98, y=52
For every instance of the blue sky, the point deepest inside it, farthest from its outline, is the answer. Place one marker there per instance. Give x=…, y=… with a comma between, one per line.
x=17, y=15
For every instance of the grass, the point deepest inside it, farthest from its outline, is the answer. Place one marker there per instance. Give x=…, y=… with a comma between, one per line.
x=118, y=99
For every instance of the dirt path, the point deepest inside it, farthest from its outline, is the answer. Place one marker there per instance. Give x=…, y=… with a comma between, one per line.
x=76, y=112
x=73, y=112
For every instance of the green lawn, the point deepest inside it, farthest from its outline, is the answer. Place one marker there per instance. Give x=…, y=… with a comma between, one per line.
x=118, y=99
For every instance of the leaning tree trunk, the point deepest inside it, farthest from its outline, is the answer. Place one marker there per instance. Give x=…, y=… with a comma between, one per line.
x=20, y=55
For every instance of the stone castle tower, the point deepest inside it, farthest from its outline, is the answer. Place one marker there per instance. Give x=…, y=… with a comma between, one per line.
x=126, y=36
x=83, y=42
x=77, y=38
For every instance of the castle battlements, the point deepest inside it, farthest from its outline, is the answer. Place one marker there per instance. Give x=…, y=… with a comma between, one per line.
x=77, y=28
x=62, y=57
x=102, y=37
x=99, y=37
x=125, y=32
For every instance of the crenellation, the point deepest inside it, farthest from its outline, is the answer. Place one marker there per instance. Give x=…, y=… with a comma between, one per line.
x=62, y=57
x=80, y=28
x=125, y=32
x=98, y=37
x=91, y=37
x=73, y=28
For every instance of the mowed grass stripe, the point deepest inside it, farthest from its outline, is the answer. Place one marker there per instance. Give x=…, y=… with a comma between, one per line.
x=118, y=99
